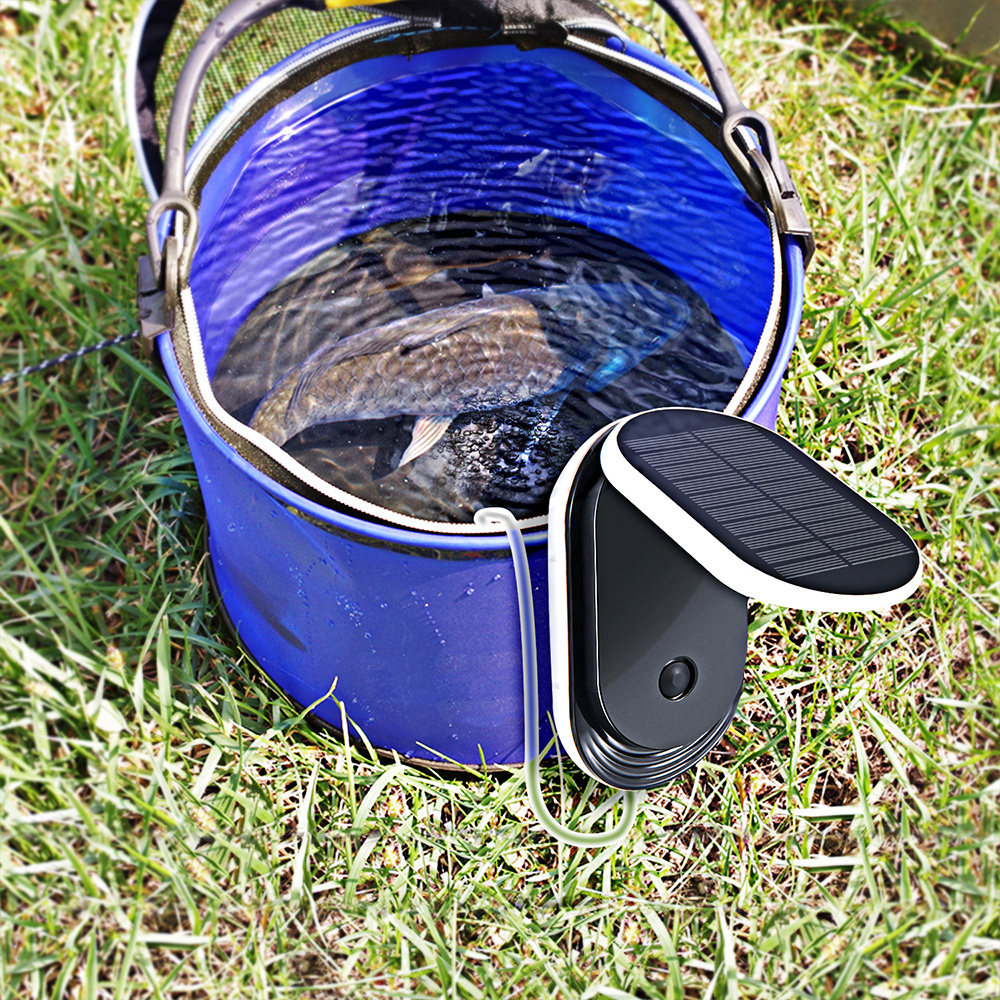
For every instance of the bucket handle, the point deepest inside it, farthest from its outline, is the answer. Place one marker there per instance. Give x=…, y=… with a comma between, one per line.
x=762, y=171
x=235, y=18
x=766, y=177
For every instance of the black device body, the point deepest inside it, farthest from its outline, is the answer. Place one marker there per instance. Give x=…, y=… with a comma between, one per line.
x=640, y=603
x=660, y=527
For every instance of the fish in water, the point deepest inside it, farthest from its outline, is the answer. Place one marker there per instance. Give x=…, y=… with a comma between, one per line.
x=471, y=356
x=606, y=329
x=365, y=282
x=511, y=455
x=480, y=354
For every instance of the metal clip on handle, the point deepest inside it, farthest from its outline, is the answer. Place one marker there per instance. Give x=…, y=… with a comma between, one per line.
x=763, y=173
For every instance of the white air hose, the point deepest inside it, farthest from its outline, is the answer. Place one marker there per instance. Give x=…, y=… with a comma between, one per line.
x=486, y=517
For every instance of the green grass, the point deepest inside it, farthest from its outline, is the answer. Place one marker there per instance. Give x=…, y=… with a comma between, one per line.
x=170, y=827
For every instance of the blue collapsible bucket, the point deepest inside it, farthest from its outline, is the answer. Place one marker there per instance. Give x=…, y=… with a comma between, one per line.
x=409, y=622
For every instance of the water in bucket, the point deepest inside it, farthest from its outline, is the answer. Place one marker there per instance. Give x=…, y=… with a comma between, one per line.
x=455, y=358
x=514, y=336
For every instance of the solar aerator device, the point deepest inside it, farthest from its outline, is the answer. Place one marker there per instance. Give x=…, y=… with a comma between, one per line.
x=661, y=527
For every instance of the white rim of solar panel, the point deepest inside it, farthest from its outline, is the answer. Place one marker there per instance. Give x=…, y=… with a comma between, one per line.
x=717, y=558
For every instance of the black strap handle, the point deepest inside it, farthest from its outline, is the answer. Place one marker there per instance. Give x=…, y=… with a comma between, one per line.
x=768, y=181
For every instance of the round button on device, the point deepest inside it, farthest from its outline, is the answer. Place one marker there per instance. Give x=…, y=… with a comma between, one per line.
x=677, y=678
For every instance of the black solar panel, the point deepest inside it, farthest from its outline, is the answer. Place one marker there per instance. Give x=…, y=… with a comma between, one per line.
x=771, y=504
